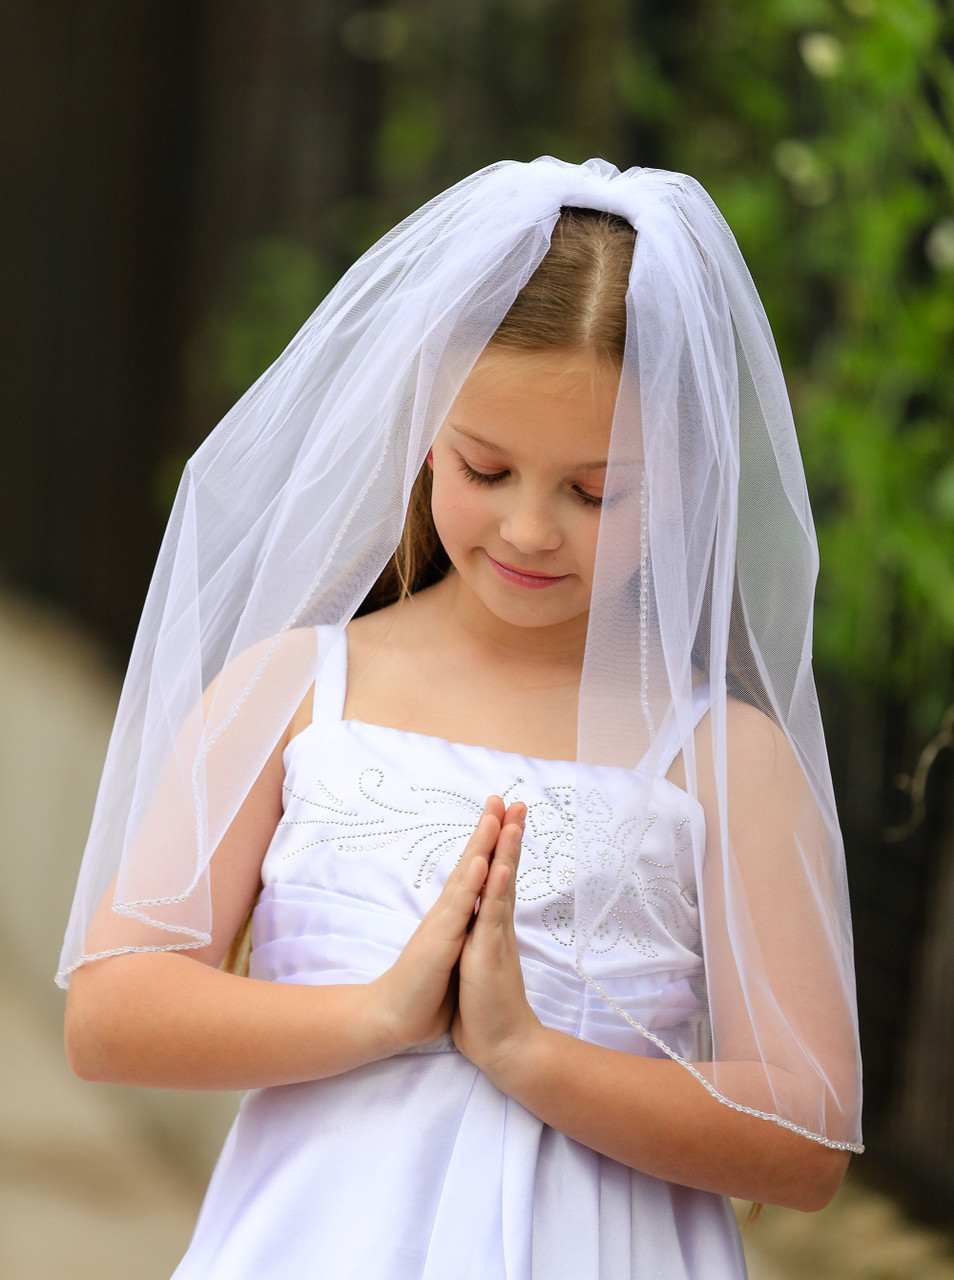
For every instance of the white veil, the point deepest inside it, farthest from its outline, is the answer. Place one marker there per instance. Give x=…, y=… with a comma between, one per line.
x=705, y=574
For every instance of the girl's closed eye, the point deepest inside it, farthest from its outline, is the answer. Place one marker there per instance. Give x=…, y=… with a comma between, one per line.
x=495, y=477
x=588, y=499
x=481, y=477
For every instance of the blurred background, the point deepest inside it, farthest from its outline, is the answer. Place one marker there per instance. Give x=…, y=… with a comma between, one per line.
x=182, y=180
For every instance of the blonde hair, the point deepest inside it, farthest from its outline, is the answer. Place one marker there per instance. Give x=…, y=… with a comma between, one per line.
x=236, y=959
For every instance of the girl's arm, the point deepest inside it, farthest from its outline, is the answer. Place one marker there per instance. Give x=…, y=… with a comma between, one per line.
x=167, y=1021
x=649, y=1113
x=174, y=1020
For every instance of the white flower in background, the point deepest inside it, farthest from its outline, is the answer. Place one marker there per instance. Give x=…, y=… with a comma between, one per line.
x=800, y=165
x=822, y=53
x=939, y=246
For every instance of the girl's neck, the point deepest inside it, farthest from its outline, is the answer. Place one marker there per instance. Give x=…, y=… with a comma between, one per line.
x=462, y=621
x=433, y=665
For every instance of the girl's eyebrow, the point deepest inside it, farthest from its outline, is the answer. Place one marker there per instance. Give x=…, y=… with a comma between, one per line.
x=495, y=448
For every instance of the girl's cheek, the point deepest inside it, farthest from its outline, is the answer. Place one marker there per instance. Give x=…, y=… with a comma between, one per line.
x=457, y=502
x=452, y=511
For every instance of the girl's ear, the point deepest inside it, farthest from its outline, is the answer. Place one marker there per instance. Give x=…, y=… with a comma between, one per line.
x=430, y=458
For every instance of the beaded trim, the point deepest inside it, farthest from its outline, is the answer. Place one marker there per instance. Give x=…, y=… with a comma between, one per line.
x=643, y=607
x=65, y=972
x=856, y=1147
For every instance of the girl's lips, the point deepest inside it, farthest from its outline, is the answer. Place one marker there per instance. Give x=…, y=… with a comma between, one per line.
x=522, y=578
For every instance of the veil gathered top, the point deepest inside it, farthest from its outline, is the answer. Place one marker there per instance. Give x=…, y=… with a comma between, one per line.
x=720, y=939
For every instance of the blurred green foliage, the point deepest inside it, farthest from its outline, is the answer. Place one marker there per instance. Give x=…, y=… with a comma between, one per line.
x=826, y=133
x=824, y=129
x=274, y=285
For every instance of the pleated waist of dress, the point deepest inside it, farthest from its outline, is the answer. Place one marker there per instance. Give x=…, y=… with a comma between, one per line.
x=302, y=933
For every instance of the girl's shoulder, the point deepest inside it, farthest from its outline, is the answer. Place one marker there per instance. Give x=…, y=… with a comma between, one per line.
x=401, y=637
x=760, y=760
x=371, y=630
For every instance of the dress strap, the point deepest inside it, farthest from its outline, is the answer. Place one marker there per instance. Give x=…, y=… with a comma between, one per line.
x=673, y=741
x=331, y=683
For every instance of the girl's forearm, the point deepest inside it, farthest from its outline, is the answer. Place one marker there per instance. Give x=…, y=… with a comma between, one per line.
x=171, y=1021
x=167, y=1021
x=652, y=1115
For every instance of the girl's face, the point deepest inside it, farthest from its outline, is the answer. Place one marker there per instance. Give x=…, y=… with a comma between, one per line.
x=519, y=468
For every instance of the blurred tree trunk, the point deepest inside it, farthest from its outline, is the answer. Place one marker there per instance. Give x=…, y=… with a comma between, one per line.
x=142, y=147
x=919, y=1134
x=285, y=129
x=486, y=80
x=182, y=183
x=94, y=150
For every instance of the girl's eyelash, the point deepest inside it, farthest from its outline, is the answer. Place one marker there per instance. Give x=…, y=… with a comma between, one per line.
x=494, y=477
x=481, y=477
x=588, y=499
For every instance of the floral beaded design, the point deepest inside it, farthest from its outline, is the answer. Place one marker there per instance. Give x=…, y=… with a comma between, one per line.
x=426, y=839
x=592, y=873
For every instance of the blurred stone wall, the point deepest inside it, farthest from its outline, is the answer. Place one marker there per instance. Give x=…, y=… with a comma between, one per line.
x=57, y=701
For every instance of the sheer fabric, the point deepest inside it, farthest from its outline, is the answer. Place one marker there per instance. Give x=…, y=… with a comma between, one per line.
x=704, y=580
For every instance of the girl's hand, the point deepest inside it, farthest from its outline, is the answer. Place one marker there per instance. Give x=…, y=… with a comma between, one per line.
x=416, y=997
x=494, y=1019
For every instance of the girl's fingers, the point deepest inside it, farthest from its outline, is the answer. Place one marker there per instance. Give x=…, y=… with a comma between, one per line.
x=496, y=839
x=495, y=806
x=465, y=883
x=424, y=976
x=516, y=812
x=498, y=894
x=509, y=844
x=494, y=898
x=480, y=844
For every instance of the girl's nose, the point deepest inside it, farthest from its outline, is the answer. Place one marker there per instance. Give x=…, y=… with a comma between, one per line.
x=530, y=528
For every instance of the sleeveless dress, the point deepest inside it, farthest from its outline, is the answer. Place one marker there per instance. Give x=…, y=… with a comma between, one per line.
x=417, y=1167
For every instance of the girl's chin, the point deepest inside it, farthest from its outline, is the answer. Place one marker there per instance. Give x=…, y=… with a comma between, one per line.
x=533, y=610
x=559, y=606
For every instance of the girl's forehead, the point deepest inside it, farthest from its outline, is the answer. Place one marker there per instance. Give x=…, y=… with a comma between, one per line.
x=500, y=370
x=519, y=400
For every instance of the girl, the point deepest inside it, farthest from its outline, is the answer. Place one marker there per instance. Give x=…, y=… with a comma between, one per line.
x=550, y=949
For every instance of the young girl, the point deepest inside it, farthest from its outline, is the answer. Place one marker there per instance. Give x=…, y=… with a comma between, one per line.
x=477, y=668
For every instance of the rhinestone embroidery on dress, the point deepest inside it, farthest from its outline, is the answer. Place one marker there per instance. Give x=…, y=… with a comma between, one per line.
x=573, y=838
x=568, y=835
x=376, y=830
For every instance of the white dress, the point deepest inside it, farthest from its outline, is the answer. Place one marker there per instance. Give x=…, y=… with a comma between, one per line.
x=417, y=1167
